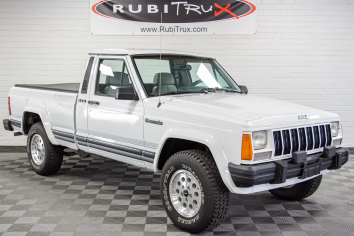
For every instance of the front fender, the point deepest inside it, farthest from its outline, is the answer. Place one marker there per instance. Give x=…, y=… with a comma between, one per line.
x=210, y=141
x=45, y=121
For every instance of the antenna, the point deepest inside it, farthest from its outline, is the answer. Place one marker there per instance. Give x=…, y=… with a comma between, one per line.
x=159, y=104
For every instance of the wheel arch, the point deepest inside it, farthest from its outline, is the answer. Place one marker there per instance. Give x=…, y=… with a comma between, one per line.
x=29, y=119
x=174, y=145
x=189, y=138
x=31, y=115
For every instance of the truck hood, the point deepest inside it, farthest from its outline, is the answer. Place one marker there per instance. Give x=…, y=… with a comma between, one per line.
x=246, y=107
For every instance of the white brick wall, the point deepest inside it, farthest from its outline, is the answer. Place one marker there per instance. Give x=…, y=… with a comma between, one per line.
x=303, y=51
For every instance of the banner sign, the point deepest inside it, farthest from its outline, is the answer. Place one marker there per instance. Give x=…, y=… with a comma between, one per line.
x=155, y=17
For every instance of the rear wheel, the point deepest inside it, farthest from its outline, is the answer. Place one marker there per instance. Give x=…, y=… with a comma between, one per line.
x=298, y=191
x=45, y=158
x=192, y=191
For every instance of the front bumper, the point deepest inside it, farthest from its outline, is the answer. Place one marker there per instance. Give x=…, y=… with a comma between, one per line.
x=279, y=171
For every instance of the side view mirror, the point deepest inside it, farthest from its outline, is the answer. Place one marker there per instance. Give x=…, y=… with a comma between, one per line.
x=126, y=93
x=243, y=89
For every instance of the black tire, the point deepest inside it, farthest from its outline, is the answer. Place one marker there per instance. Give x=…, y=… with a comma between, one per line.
x=214, y=194
x=298, y=191
x=53, y=155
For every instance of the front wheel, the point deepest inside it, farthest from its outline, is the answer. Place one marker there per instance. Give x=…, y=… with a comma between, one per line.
x=44, y=157
x=192, y=191
x=298, y=191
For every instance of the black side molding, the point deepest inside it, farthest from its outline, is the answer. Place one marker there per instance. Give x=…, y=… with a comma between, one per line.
x=148, y=154
x=131, y=152
x=63, y=136
x=67, y=87
x=115, y=146
x=81, y=140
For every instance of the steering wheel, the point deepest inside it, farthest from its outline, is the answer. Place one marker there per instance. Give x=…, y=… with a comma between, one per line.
x=197, y=82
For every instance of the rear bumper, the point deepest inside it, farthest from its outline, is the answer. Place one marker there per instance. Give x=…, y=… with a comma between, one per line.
x=7, y=125
x=278, y=172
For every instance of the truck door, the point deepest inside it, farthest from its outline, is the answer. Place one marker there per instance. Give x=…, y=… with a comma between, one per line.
x=115, y=127
x=81, y=106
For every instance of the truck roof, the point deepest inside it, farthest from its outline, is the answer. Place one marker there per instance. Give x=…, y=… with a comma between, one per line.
x=144, y=52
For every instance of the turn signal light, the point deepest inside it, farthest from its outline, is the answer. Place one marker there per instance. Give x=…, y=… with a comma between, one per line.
x=9, y=104
x=247, y=152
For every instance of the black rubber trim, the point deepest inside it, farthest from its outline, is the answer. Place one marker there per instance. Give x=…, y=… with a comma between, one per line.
x=46, y=87
x=278, y=171
x=251, y=170
x=82, y=143
x=87, y=76
x=63, y=134
x=107, y=54
x=148, y=154
x=115, y=146
x=81, y=138
x=7, y=125
x=104, y=95
x=170, y=55
x=64, y=138
x=118, y=151
x=16, y=123
x=109, y=147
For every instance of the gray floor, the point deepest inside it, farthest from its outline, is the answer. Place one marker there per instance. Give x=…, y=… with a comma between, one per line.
x=97, y=196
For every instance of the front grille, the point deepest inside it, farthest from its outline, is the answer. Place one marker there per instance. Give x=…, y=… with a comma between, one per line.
x=278, y=144
x=302, y=138
x=307, y=138
x=295, y=140
x=286, y=141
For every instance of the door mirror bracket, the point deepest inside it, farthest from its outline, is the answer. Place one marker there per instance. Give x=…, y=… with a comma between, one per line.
x=243, y=89
x=126, y=93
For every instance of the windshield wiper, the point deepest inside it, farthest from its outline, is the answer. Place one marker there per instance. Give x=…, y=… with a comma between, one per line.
x=220, y=89
x=181, y=92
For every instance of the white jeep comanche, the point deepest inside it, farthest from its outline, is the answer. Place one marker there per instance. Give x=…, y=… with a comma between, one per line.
x=180, y=114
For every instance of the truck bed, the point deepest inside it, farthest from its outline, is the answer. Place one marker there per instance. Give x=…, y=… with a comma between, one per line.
x=67, y=87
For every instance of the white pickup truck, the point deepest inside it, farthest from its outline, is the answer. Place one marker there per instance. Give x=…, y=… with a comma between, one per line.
x=183, y=115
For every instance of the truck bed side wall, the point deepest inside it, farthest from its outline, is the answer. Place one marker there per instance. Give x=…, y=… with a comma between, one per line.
x=56, y=110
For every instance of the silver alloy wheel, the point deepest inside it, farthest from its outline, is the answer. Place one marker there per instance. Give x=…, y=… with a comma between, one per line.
x=37, y=149
x=185, y=193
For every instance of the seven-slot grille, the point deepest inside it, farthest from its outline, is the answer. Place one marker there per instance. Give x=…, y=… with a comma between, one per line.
x=287, y=141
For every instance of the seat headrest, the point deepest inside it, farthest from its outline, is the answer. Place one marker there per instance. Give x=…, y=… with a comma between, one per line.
x=115, y=80
x=166, y=79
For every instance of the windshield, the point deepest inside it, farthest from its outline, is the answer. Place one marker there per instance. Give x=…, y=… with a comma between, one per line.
x=182, y=74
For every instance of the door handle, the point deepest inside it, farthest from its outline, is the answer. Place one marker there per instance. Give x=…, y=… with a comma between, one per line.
x=93, y=103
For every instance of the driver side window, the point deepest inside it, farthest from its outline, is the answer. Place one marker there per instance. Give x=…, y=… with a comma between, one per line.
x=112, y=73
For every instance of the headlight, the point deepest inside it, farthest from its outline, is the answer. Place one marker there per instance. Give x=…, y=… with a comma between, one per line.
x=259, y=139
x=335, y=128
